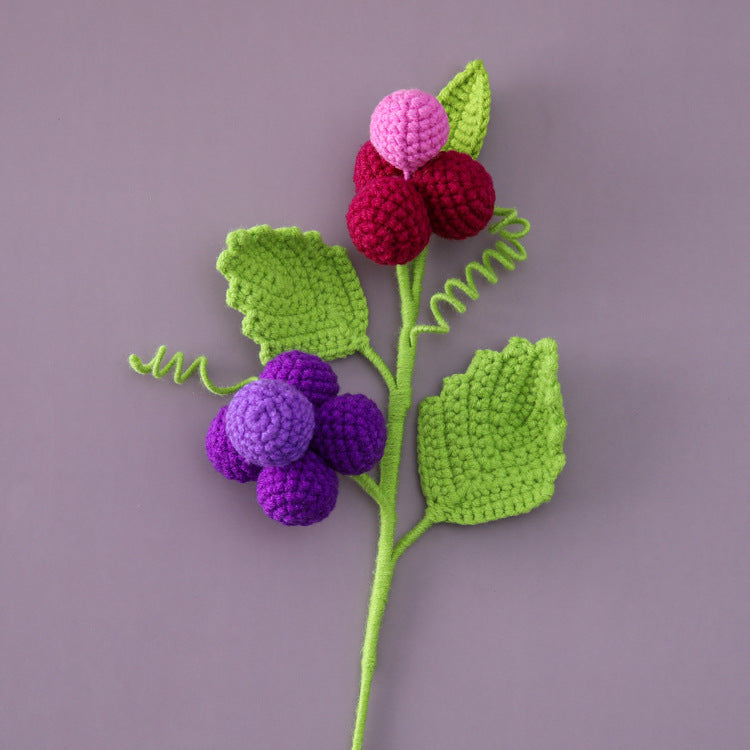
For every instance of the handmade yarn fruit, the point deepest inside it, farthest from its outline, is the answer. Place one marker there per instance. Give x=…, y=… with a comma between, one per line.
x=459, y=194
x=291, y=432
x=300, y=494
x=270, y=423
x=388, y=221
x=349, y=433
x=223, y=454
x=408, y=128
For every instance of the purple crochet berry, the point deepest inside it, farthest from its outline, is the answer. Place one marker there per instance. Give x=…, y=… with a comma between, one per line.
x=300, y=494
x=222, y=454
x=307, y=373
x=350, y=433
x=270, y=423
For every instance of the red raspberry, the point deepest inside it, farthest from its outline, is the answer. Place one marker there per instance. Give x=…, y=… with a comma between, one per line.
x=388, y=221
x=369, y=165
x=459, y=194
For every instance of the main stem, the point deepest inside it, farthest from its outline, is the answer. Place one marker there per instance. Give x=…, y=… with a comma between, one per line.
x=399, y=403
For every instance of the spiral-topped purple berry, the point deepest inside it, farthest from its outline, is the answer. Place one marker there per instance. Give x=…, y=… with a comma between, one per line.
x=270, y=423
x=292, y=432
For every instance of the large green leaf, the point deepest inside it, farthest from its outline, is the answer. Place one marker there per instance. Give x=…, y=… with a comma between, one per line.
x=491, y=444
x=295, y=291
x=467, y=100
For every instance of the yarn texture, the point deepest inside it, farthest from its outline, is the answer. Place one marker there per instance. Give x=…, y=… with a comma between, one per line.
x=270, y=423
x=459, y=195
x=467, y=100
x=408, y=128
x=295, y=291
x=291, y=420
x=350, y=433
x=388, y=221
x=223, y=455
x=310, y=375
x=300, y=494
x=491, y=444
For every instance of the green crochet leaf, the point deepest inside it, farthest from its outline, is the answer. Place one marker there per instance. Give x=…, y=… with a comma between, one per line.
x=295, y=291
x=467, y=99
x=491, y=444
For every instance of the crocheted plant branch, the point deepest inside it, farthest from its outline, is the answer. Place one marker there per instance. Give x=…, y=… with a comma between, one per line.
x=489, y=445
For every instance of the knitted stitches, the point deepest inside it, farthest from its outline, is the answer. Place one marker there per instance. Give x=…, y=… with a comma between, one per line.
x=223, y=454
x=270, y=423
x=490, y=445
x=467, y=100
x=300, y=494
x=388, y=221
x=350, y=433
x=408, y=128
x=295, y=291
x=312, y=377
x=459, y=195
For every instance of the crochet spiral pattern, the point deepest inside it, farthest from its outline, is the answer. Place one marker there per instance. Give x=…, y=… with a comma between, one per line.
x=291, y=432
x=489, y=445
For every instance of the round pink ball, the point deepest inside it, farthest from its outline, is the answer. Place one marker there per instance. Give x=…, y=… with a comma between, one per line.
x=408, y=128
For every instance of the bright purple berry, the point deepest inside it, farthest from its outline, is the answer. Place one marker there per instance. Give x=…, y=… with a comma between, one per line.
x=350, y=433
x=309, y=374
x=270, y=423
x=222, y=454
x=300, y=494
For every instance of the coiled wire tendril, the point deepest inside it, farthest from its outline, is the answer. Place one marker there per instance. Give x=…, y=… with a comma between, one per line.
x=507, y=252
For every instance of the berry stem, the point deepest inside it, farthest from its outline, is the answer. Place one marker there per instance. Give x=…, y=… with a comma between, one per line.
x=399, y=403
x=379, y=364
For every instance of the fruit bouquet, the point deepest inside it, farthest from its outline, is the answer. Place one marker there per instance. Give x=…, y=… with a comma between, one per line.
x=489, y=445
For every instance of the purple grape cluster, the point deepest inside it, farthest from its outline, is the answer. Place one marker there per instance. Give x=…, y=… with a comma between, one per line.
x=291, y=432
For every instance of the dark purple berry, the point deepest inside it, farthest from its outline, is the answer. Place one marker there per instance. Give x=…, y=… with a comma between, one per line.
x=350, y=433
x=300, y=494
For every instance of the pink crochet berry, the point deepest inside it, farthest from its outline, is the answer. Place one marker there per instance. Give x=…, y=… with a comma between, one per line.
x=388, y=221
x=459, y=194
x=370, y=165
x=408, y=128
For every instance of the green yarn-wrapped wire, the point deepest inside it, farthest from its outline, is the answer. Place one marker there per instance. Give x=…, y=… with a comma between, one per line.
x=507, y=252
x=177, y=363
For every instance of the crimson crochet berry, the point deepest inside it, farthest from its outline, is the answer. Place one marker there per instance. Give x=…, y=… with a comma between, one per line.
x=350, y=433
x=459, y=194
x=299, y=494
x=222, y=454
x=369, y=164
x=388, y=221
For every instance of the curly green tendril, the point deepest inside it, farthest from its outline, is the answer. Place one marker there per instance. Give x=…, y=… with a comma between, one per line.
x=177, y=363
x=507, y=252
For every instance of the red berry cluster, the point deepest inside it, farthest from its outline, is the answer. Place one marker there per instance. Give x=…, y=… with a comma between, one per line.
x=391, y=218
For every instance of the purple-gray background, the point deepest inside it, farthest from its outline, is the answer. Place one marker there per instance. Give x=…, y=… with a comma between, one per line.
x=147, y=603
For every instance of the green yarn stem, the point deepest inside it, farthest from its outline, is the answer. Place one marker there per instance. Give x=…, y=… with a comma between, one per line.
x=177, y=363
x=384, y=492
x=377, y=362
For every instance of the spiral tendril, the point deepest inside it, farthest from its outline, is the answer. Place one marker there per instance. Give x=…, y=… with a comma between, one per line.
x=507, y=252
x=177, y=363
